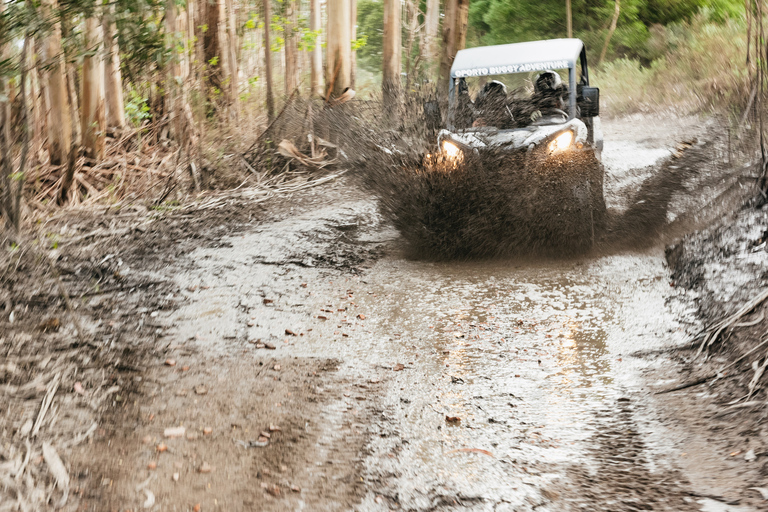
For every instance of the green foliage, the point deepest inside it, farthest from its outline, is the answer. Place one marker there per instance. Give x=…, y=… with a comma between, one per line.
x=636, y=37
x=370, y=23
x=136, y=108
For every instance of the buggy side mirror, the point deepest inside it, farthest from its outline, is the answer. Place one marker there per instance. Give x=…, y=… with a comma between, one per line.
x=589, y=101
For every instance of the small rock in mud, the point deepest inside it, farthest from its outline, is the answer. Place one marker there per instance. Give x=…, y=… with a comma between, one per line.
x=152, y=465
x=201, y=390
x=174, y=432
x=399, y=367
x=207, y=431
x=170, y=362
x=452, y=419
x=274, y=428
x=269, y=346
x=295, y=488
x=205, y=468
x=162, y=447
x=361, y=316
x=175, y=477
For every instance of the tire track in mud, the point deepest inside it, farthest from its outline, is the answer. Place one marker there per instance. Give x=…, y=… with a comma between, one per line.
x=618, y=474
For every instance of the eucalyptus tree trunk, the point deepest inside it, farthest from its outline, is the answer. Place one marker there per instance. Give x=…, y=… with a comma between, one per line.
x=173, y=70
x=391, y=53
x=268, y=61
x=58, y=113
x=339, y=48
x=353, y=37
x=213, y=49
x=35, y=102
x=454, y=36
x=291, y=47
x=231, y=49
x=431, y=26
x=316, y=59
x=93, y=109
x=113, y=79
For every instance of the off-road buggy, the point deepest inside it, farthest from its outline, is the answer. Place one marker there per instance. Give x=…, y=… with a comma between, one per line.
x=529, y=108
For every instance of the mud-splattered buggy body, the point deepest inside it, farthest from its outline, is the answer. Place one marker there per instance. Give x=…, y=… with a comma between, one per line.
x=551, y=139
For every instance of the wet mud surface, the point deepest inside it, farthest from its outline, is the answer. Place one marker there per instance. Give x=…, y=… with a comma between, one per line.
x=394, y=383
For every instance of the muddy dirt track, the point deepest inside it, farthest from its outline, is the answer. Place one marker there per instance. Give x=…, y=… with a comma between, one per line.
x=313, y=366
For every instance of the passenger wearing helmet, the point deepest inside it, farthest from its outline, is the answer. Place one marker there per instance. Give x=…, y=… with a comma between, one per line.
x=547, y=99
x=465, y=109
x=491, y=106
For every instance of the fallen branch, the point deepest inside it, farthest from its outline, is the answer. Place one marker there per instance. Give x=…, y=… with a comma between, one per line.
x=729, y=322
x=47, y=399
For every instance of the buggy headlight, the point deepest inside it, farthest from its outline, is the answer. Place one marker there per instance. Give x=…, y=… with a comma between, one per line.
x=451, y=150
x=561, y=142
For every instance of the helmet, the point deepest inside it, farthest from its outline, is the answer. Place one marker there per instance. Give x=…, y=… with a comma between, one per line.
x=492, y=90
x=547, y=81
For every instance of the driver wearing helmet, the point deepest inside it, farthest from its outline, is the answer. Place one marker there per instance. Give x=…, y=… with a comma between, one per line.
x=491, y=106
x=548, y=91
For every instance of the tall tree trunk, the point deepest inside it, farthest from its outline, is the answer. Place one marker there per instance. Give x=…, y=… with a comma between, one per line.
x=353, y=37
x=569, y=17
x=173, y=76
x=338, y=48
x=6, y=98
x=74, y=102
x=214, y=58
x=291, y=48
x=232, y=64
x=611, y=30
x=268, y=61
x=93, y=110
x=113, y=79
x=391, y=54
x=454, y=36
x=58, y=113
x=316, y=59
x=431, y=25
x=35, y=103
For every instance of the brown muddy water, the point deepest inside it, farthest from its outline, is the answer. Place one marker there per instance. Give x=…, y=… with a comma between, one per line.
x=502, y=385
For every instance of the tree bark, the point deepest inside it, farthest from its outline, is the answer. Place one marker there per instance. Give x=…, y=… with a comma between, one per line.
x=291, y=48
x=338, y=72
x=268, y=61
x=353, y=37
x=214, y=58
x=431, y=25
x=113, y=79
x=35, y=103
x=454, y=36
x=569, y=18
x=232, y=68
x=391, y=53
x=58, y=112
x=316, y=67
x=611, y=30
x=93, y=110
x=173, y=71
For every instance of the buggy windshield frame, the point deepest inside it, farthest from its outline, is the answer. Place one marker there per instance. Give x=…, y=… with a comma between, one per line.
x=508, y=59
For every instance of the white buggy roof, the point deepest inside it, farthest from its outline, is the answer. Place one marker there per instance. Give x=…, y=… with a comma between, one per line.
x=517, y=58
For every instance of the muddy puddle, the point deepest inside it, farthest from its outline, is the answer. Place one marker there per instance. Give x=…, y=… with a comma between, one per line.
x=508, y=385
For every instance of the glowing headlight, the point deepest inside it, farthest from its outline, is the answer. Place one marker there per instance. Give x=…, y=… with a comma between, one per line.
x=451, y=150
x=561, y=142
